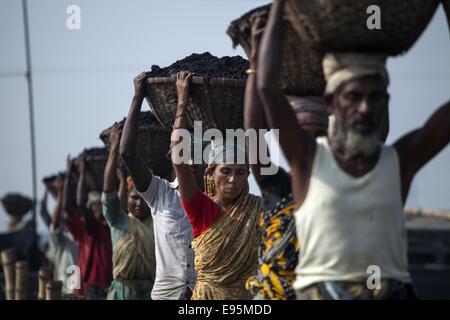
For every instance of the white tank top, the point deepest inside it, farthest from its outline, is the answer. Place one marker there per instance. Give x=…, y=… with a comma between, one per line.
x=347, y=224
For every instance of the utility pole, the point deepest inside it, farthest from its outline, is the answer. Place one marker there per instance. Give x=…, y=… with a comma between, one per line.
x=29, y=78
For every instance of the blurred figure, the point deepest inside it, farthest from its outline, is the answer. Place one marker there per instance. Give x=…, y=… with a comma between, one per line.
x=85, y=222
x=62, y=245
x=133, y=241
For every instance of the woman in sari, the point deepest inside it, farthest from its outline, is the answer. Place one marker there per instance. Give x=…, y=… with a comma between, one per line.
x=224, y=218
x=131, y=234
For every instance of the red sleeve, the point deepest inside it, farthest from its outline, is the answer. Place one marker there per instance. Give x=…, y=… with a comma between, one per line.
x=202, y=212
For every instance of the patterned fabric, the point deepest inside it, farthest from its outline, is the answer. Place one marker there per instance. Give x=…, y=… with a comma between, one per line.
x=133, y=252
x=278, y=252
x=226, y=253
x=349, y=290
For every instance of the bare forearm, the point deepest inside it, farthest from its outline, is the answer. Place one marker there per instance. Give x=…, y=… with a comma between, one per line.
x=136, y=167
x=130, y=129
x=110, y=178
x=187, y=183
x=81, y=190
x=254, y=119
x=56, y=217
x=269, y=58
x=67, y=203
x=44, y=212
x=123, y=195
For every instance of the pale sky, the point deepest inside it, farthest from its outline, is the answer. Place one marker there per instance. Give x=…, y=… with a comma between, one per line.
x=83, y=79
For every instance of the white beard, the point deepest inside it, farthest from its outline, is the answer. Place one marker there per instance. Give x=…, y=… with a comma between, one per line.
x=353, y=142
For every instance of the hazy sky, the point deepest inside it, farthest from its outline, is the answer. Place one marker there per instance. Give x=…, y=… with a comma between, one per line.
x=83, y=78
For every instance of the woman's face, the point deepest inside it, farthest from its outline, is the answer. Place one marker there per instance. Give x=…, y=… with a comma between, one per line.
x=230, y=180
x=137, y=206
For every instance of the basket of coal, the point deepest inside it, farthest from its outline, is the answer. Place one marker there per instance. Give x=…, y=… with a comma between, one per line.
x=153, y=143
x=16, y=205
x=95, y=167
x=50, y=182
x=301, y=62
x=342, y=25
x=216, y=91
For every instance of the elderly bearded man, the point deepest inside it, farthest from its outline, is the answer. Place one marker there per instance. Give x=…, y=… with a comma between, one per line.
x=349, y=188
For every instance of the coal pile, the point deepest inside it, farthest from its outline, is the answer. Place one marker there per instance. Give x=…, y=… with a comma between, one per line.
x=146, y=118
x=205, y=65
x=94, y=152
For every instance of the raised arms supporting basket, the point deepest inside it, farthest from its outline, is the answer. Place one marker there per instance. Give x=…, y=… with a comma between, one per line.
x=301, y=61
x=217, y=102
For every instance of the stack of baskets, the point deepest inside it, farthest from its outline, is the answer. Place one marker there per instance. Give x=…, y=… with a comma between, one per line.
x=152, y=145
x=301, y=61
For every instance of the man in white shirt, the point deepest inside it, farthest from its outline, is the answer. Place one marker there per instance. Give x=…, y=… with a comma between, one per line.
x=175, y=273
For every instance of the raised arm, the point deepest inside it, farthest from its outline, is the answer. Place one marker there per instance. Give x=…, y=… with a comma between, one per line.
x=297, y=145
x=123, y=189
x=44, y=212
x=186, y=179
x=253, y=111
x=135, y=165
x=57, y=211
x=417, y=148
x=110, y=178
x=67, y=199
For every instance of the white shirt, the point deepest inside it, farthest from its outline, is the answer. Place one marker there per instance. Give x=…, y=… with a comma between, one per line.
x=173, y=236
x=65, y=252
x=347, y=224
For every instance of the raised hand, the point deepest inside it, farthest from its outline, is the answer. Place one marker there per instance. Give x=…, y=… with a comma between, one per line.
x=183, y=79
x=139, y=85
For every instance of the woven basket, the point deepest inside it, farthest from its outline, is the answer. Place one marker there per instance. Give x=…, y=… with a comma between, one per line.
x=217, y=102
x=341, y=25
x=152, y=146
x=95, y=168
x=16, y=205
x=301, y=62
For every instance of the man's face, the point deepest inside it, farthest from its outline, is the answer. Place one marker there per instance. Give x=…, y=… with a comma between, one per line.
x=358, y=107
x=361, y=103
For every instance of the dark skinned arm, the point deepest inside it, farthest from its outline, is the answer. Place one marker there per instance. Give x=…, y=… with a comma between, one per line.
x=67, y=199
x=110, y=177
x=186, y=179
x=253, y=111
x=297, y=145
x=136, y=166
x=123, y=190
x=82, y=193
x=420, y=146
x=44, y=212
x=57, y=211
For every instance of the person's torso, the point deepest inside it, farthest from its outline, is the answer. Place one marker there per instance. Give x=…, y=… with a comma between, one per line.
x=173, y=252
x=347, y=224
